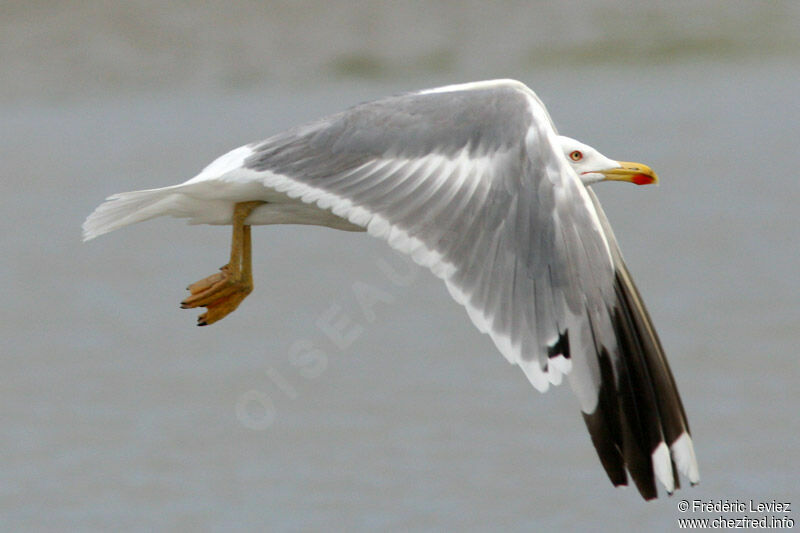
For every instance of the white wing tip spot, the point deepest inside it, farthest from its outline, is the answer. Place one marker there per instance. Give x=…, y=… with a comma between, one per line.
x=662, y=466
x=683, y=452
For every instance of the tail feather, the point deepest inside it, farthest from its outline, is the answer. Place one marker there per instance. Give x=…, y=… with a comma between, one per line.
x=127, y=208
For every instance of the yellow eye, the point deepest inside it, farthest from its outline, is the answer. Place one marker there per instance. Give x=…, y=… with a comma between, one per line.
x=576, y=155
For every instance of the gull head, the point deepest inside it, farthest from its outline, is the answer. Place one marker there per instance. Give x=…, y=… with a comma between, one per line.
x=591, y=166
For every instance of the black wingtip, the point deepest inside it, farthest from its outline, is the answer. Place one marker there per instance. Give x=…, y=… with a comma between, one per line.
x=638, y=399
x=604, y=425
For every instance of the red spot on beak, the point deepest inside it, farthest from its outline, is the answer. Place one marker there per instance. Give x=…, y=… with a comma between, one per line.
x=642, y=179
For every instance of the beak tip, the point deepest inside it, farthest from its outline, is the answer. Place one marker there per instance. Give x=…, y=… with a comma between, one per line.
x=645, y=179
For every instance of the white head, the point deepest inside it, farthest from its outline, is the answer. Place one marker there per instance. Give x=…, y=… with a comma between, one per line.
x=592, y=166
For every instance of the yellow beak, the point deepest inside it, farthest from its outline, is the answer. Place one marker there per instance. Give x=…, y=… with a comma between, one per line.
x=633, y=172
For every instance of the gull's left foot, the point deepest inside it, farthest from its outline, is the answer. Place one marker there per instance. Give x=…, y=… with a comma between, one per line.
x=220, y=293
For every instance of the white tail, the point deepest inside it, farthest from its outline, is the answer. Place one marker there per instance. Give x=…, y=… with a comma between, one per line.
x=128, y=208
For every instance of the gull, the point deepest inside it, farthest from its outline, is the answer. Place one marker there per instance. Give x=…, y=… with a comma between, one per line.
x=474, y=183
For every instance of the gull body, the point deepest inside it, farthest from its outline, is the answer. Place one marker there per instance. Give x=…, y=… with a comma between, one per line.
x=473, y=182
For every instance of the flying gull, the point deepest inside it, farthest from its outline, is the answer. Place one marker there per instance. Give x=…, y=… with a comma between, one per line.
x=473, y=182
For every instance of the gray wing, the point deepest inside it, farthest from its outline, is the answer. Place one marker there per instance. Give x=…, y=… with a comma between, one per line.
x=473, y=185
x=471, y=182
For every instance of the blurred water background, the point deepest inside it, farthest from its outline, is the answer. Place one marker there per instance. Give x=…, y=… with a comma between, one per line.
x=119, y=414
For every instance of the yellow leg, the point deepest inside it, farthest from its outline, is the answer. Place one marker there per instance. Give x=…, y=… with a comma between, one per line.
x=221, y=293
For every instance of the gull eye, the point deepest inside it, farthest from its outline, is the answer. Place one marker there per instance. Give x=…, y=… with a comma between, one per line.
x=576, y=155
